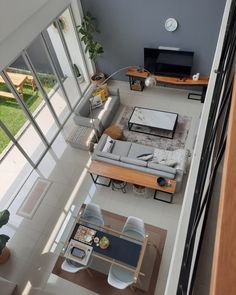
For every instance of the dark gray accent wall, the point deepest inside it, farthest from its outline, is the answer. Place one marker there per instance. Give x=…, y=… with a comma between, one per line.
x=127, y=26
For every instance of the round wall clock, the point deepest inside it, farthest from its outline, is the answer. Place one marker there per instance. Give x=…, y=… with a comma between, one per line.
x=171, y=24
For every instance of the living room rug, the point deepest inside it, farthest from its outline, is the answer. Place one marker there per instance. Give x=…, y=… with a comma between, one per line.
x=98, y=282
x=178, y=142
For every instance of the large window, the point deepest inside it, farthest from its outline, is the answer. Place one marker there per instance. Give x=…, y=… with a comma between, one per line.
x=38, y=92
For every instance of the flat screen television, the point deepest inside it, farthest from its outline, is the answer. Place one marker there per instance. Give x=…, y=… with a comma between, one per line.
x=173, y=63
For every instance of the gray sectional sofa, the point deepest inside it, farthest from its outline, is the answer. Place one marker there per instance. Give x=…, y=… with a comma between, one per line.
x=125, y=154
x=99, y=118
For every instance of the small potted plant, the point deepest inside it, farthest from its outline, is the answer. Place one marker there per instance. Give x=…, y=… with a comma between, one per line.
x=87, y=29
x=78, y=73
x=4, y=251
x=62, y=23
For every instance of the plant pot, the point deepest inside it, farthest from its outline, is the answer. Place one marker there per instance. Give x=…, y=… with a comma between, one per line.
x=5, y=255
x=98, y=78
x=80, y=79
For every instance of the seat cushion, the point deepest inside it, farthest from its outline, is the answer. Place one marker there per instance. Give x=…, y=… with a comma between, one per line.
x=138, y=149
x=121, y=148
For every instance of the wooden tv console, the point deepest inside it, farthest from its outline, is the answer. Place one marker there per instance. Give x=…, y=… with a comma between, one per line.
x=135, y=74
x=111, y=171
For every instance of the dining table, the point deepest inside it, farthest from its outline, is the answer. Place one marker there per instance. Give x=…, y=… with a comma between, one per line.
x=123, y=250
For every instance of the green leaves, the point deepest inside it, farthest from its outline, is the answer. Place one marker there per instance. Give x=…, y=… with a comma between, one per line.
x=4, y=217
x=87, y=29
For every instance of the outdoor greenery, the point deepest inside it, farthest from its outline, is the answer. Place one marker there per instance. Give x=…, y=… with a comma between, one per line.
x=11, y=113
x=87, y=29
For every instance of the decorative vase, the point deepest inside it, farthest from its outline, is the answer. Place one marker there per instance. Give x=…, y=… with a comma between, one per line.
x=5, y=255
x=98, y=78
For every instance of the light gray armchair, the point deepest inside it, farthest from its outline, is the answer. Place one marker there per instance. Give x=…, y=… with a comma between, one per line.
x=99, y=118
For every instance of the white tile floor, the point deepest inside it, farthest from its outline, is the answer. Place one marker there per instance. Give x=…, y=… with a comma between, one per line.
x=31, y=260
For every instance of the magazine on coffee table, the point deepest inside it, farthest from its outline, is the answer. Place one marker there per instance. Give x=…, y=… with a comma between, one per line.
x=85, y=234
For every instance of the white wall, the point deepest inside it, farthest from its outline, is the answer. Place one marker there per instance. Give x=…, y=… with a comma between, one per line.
x=174, y=272
x=21, y=21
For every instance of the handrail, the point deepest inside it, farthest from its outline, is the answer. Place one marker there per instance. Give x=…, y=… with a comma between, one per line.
x=224, y=260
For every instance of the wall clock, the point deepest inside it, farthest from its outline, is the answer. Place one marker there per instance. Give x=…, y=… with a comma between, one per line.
x=171, y=24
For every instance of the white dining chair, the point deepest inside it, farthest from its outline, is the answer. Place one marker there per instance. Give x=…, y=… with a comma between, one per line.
x=73, y=266
x=93, y=214
x=120, y=277
x=134, y=227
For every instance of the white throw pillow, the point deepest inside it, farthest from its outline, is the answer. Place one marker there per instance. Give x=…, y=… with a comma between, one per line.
x=108, y=145
x=95, y=101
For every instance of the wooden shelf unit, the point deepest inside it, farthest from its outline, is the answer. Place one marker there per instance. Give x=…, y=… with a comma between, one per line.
x=134, y=73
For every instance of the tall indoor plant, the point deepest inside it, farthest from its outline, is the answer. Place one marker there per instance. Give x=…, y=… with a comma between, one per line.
x=87, y=29
x=4, y=251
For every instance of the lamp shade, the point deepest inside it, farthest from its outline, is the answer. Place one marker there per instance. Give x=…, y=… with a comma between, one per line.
x=150, y=81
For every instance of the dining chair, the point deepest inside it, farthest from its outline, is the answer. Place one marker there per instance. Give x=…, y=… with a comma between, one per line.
x=73, y=266
x=120, y=277
x=134, y=227
x=93, y=214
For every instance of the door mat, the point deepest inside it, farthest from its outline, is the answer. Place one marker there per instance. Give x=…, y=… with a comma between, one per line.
x=98, y=282
x=34, y=198
x=178, y=142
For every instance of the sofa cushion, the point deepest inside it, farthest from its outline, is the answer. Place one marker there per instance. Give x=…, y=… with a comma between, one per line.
x=138, y=149
x=121, y=148
x=161, y=167
x=108, y=155
x=133, y=161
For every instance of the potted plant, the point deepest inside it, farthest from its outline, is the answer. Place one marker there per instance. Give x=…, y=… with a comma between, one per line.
x=78, y=73
x=4, y=251
x=87, y=29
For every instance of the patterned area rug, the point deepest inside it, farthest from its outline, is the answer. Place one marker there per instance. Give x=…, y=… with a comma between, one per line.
x=178, y=142
x=98, y=281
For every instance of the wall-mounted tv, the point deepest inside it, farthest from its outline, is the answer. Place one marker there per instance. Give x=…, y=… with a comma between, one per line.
x=173, y=63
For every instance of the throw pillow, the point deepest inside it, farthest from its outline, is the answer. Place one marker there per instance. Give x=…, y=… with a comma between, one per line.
x=95, y=102
x=145, y=157
x=100, y=92
x=108, y=145
x=169, y=163
x=105, y=88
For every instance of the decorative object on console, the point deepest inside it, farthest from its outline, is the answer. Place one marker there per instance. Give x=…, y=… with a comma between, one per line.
x=196, y=77
x=161, y=181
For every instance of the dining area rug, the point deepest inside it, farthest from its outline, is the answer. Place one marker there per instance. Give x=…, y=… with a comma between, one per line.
x=96, y=280
x=178, y=141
